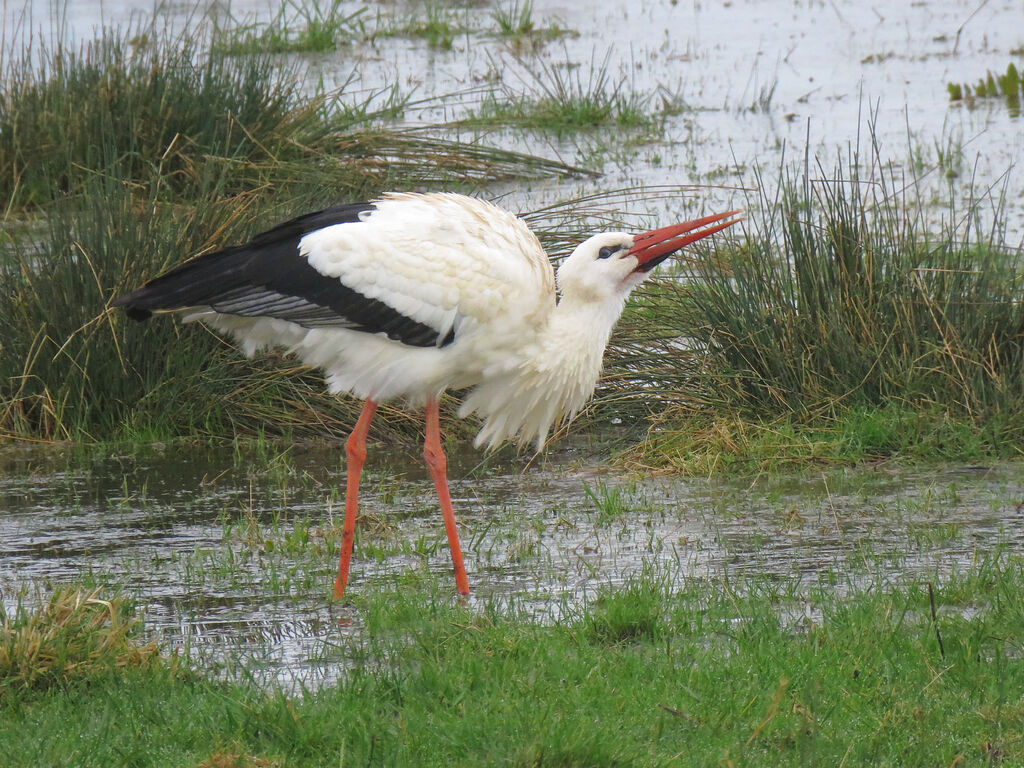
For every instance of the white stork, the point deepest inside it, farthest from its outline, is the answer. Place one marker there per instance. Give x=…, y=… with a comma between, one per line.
x=415, y=294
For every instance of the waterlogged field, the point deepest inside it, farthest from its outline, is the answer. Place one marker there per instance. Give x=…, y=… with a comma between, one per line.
x=857, y=617
x=230, y=556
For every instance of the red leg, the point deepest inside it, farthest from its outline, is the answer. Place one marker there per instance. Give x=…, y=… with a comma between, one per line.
x=355, y=452
x=438, y=465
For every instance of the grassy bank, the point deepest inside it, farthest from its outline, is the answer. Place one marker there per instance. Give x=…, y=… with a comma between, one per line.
x=707, y=444
x=746, y=672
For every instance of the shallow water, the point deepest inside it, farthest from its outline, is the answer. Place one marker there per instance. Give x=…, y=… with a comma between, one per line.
x=232, y=556
x=750, y=80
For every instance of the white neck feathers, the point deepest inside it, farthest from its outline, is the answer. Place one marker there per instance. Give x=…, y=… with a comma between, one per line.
x=553, y=380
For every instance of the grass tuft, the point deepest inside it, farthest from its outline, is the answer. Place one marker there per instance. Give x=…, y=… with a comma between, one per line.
x=629, y=613
x=515, y=19
x=562, y=100
x=843, y=300
x=860, y=305
x=74, y=636
x=175, y=121
x=297, y=27
x=1010, y=86
x=439, y=26
x=610, y=501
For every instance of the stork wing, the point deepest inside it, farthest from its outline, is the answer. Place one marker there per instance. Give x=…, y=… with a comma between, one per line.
x=438, y=259
x=410, y=266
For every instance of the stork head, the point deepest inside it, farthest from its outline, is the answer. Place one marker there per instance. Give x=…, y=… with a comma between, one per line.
x=610, y=265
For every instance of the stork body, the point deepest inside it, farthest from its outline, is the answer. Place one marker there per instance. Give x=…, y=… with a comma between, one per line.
x=415, y=294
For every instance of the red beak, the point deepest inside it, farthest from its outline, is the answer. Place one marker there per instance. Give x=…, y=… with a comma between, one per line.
x=652, y=248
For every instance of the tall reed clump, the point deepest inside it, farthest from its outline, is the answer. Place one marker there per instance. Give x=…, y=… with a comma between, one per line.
x=136, y=151
x=140, y=106
x=844, y=297
x=135, y=109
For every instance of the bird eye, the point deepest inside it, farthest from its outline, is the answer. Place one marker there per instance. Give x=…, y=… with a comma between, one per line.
x=607, y=251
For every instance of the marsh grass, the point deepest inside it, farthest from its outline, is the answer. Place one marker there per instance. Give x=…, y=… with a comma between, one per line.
x=705, y=444
x=860, y=305
x=748, y=670
x=611, y=501
x=841, y=301
x=187, y=116
x=1009, y=86
x=631, y=613
x=298, y=26
x=564, y=99
x=438, y=24
x=136, y=107
x=515, y=23
x=514, y=19
x=73, y=637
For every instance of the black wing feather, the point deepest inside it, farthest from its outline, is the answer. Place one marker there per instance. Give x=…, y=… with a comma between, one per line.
x=267, y=277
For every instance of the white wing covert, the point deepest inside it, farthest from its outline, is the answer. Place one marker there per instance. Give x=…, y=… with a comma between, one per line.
x=437, y=259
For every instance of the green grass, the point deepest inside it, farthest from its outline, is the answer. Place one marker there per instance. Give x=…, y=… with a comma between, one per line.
x=318, y=26
x=567, y=98
x=610, y=501
x=844, y=324
x=515, y=19
x=515, y=23
x=1009, y=86
x=438, y=24
x=237, y=124
x=305, y=26
x=861, y=305
x=749, y=672
x=706, y=444
x=58, y=130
